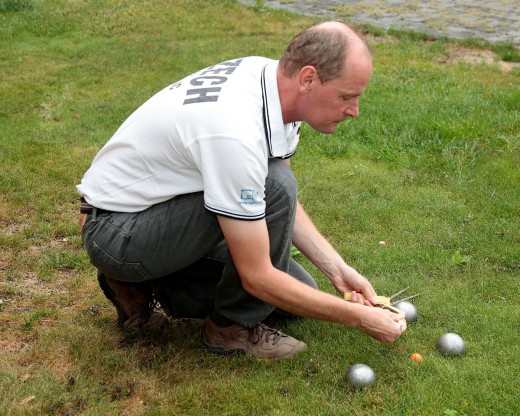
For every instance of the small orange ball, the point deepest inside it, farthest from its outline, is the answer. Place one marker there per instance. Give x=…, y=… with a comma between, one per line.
x=416, y=357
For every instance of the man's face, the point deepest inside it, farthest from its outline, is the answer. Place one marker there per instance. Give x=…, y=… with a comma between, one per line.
x=328, y=104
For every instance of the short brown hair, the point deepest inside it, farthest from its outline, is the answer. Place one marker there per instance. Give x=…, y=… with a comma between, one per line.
x=324, y=49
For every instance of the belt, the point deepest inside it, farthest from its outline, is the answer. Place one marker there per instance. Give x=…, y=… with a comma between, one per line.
x=86, y=208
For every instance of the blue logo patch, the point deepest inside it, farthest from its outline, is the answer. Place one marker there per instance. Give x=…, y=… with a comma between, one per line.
x=248, y=194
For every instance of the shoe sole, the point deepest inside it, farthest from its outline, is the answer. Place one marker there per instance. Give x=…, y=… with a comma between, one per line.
x=222, y=351
x=219, y=350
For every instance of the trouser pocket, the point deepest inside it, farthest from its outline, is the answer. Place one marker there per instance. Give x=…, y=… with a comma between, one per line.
x=117, y=269
x=106, y=241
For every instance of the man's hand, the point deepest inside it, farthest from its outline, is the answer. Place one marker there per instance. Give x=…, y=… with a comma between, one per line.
x=349, y=280
x=383, y=325
x=81, y=220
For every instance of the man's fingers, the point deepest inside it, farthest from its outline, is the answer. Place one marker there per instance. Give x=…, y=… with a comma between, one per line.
x=372, y=301
x=398, y=316
x=81, y=220
x=399, y=319
x=358, y=298
x=402, y=325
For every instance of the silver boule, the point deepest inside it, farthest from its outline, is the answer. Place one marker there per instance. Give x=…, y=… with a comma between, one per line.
x=360, y=375
x=451, y=344
x=409, y=310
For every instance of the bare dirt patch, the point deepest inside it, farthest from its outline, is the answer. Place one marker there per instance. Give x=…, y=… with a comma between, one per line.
x=13, y=346
x=475, y=57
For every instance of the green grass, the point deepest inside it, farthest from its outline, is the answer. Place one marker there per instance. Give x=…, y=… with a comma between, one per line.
x=432, y=167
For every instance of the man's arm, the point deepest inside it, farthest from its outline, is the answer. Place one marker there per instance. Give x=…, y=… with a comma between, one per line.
x=248, y=243
x=317, y=249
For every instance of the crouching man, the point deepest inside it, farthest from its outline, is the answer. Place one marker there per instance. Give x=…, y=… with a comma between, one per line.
x=194, y=192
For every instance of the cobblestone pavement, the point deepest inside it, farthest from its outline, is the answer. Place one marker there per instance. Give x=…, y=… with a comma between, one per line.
x=491, y=20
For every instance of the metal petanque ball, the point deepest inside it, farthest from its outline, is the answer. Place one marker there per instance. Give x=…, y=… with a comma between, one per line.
x=451, y=344
x=360, y=375
x=409, y=310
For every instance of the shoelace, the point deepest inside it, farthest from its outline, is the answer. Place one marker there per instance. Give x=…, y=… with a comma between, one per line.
x=263, y=331
x=153, y=305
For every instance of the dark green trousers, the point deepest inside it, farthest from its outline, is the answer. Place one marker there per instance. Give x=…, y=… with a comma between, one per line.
x=178, y=246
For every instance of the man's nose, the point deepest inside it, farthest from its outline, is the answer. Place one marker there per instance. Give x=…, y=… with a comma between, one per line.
x=352, y=109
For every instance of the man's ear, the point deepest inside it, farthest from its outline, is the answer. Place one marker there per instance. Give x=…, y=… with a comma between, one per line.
x=307, y=77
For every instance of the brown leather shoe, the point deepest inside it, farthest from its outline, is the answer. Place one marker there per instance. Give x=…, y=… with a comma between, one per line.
x=260, y=340
x=134, y=304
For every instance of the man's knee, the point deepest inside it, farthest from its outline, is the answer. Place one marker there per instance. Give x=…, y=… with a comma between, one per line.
x=298, y=272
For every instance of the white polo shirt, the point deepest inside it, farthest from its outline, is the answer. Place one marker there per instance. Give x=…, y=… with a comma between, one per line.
x=213, y=131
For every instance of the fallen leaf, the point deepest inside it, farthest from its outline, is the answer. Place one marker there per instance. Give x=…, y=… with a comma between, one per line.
x=27, y=400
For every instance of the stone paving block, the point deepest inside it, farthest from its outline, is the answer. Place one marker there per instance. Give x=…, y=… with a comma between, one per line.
x=492, y=20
